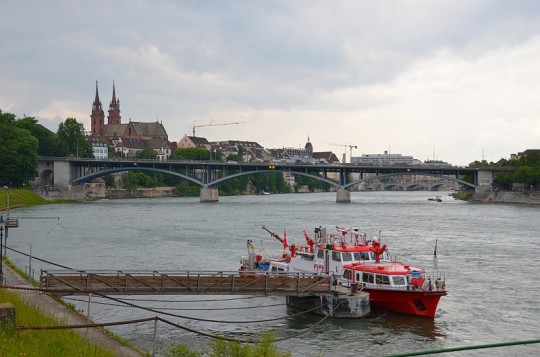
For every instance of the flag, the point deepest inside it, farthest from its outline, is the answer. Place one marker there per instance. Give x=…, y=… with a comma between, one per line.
x=285, y=244
x=435, y=263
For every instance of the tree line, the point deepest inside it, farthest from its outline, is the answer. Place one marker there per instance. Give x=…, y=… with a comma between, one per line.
x=526, y=175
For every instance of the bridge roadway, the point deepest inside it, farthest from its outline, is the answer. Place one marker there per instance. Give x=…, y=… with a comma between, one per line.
x=70, y=282
x=67, y=172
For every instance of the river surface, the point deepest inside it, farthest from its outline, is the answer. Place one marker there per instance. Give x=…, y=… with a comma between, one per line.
x=488, y=253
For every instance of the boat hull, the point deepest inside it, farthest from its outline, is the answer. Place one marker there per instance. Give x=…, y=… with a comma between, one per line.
x=412, y=302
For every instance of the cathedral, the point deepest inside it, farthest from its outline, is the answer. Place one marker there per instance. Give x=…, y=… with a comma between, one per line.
x=129, y=138
x=114, y=127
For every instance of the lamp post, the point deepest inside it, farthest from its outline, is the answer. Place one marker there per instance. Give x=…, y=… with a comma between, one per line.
x=1, y=237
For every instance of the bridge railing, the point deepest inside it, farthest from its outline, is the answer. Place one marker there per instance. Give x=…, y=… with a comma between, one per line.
x=182, y=282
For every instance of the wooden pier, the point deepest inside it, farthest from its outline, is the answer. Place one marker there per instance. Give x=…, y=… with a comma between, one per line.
x=69, y=282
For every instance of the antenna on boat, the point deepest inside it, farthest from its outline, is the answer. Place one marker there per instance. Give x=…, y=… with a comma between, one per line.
x=435, y=262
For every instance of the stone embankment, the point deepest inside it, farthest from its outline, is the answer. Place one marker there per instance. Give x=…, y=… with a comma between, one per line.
x=507, y=197
x=98, y=190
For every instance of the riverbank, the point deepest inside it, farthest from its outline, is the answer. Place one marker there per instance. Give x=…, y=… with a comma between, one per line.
x=530, y=198
x=60, y=313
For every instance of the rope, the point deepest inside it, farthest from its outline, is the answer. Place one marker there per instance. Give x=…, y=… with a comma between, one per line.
x=466, y=348
x=67, y=327
x=159, y=311
x=185, y=309
x=201, y=319
x=41, y=260
x=95, y=325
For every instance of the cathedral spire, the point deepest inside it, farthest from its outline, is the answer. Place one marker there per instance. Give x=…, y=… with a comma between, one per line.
x=114, y=117
x=97, y=117
x=96, y=100
x=113, y=94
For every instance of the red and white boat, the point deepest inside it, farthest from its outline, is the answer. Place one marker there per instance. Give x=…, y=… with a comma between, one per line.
x=358, y=263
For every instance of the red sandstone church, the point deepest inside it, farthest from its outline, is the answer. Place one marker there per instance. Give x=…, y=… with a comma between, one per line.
x=127, y=138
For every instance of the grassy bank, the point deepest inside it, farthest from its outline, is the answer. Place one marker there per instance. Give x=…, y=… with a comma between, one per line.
x=23, y=198
x=41, y=343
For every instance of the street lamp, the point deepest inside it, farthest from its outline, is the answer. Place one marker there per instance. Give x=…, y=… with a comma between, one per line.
x=1, y=237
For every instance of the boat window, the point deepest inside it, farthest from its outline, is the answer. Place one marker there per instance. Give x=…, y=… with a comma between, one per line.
x=398, y=280
x=320, y=253
x=358, y=277
x=346, y=256
x=309, y=257
x=336, y=256
x=382, y=279
x=368, y=278
x=347, y=274
x=361, y=256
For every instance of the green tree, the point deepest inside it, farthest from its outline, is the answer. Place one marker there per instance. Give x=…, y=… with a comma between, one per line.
x=109, y=181
x=138, y=179
x=190, y=154
x=49, y=145
x=235, y=157
x=72, y=139
x=18, y=153
x=147, y=154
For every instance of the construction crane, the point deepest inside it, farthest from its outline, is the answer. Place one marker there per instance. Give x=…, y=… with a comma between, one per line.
x=214, y=124
x=345, y=152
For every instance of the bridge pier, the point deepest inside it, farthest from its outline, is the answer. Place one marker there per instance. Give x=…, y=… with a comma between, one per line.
x=343, y=196
x=209, y=194
x=336, y=306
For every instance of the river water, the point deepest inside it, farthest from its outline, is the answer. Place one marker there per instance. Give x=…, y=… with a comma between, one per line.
x=488, y=253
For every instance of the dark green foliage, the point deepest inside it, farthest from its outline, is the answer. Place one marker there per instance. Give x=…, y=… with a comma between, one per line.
x=190, y=154
x=109, y=181
x=49, y=145
x=273, y=183
x=313, y=184
x=526, y=176
x=72, y=140
x=237, y=158
x=18, y=153
x=113, y=154
x=147, y=154
x=138, y=179
x=187, y=189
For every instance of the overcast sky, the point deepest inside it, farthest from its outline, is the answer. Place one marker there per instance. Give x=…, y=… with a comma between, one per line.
x=456, y=81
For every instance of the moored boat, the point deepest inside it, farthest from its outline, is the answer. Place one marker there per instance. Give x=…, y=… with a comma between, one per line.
x=356, y=262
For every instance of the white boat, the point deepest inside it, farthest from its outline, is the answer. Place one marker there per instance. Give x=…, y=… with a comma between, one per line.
x=354, y=261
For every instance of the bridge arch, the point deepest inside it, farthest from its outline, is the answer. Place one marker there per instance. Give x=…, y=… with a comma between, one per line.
x=230, y=177
x=94, y=175
x=410, y=173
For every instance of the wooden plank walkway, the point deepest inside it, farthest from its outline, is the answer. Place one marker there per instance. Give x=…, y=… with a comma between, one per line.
x=67, y=282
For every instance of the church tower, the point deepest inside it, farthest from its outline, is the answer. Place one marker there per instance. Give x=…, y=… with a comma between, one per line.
x=114, y=110
x=309, y=147
x=97, y=118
